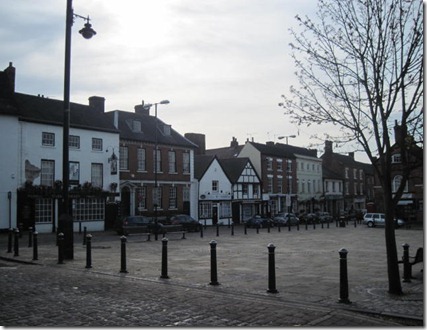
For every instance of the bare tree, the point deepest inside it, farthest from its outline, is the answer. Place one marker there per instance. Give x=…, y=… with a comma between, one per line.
x=360, y=68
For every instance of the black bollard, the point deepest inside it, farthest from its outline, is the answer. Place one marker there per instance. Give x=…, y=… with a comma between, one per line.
x=21, y=229
x=164, y=258
x=9, y=240
x=60, y=240
x=16, y=243
x=322, y=224
x=327, y=225
x=89, y=251
x=289, y=224
x=355, y=223
x=217, y=230
x=314, y=224
x=257, y=229
x=306, y=225
x=343, y=277
x=123, y=255
x=406, y=266
x=232, y=229
x=245, y=227
x=214, y=271
x=30, y=237
x=201, y=231
x=229, y=224
x=84, y=235
x=297, y=225
x=271, y=269
x=35, y=247
x=278, y=227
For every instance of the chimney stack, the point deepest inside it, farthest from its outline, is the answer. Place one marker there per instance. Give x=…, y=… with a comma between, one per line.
x=234, y=143
x=98, y=103
x=328, y=147
x=7, y=82
x=200, y=140
x=141, y=109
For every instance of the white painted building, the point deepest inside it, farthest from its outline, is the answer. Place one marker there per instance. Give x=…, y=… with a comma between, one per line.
x=309, y=181
x=31, y=161
x=215, y=191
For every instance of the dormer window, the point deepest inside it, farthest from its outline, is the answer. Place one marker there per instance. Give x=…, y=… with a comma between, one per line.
x=136, y=126
x=167, y=130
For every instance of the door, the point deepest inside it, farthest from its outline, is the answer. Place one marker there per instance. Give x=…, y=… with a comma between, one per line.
x=125, y=203
x=214, y=214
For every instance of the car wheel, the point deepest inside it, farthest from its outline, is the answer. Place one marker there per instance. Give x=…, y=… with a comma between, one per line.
x=370, y=224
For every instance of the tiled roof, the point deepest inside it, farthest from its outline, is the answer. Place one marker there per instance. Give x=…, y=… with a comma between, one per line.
x=345, y=160
x=147, y=132
x=234, y=167
x=50, y=111
x=275, y=150
x=201, y=164
x=226, y=152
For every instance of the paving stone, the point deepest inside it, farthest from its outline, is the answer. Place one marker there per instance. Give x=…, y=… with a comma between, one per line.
x=307, y=278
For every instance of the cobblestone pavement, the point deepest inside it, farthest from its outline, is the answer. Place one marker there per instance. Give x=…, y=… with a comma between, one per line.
x=45, y=293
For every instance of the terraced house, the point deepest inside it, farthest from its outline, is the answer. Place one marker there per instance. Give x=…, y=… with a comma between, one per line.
x=153, y=154
x=31, y=161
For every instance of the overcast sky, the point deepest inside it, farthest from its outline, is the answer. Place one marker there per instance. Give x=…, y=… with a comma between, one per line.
x=222, y=64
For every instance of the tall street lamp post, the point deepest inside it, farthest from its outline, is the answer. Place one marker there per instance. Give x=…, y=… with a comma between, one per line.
x=289, y=177
x=65, y=224
x=156, y=190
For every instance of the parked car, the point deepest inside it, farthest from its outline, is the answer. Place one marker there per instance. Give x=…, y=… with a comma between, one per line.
x=135, y=222
x=324, y=217
x=309, y=218
x=378, y=219
x=258, y=221
x=187, y=222
x=284, y=218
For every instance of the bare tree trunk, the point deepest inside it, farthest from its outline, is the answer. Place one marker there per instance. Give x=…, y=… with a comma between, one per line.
x=394, y=284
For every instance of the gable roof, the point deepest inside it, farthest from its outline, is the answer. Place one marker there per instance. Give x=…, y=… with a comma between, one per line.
x=147, y=133
x=233, y=167
x=201, y=164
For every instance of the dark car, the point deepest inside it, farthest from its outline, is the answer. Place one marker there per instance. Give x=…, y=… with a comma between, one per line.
x=187, y=222
x=138, y=223
x=324, y=217
x=258, y=221
x=310, y=218
x=284, y=219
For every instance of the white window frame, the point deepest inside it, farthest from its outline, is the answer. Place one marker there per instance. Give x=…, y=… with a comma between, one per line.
x=48, y=139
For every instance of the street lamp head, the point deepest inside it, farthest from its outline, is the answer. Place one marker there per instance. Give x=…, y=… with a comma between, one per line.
x=292, y=136
x=87, y=32
x=164, y=102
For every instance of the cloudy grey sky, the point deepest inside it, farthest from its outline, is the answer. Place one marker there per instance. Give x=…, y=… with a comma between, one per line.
x=222, y=64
